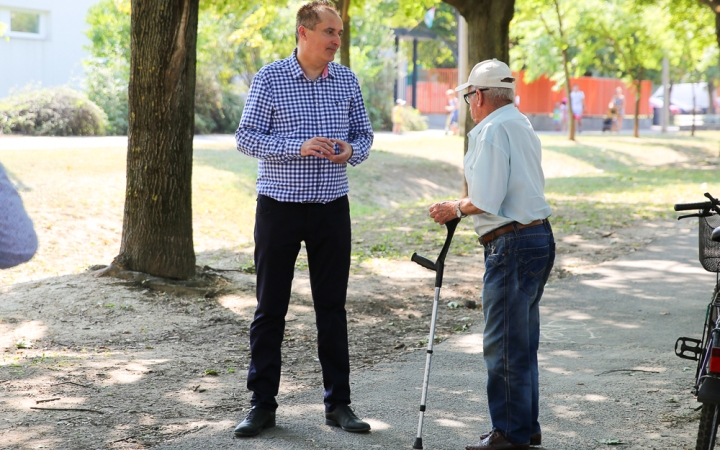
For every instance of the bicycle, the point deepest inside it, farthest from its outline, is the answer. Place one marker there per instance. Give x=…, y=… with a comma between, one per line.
x=706, y=351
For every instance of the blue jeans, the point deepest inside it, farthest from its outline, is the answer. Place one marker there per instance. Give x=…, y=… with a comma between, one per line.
x=517, y=266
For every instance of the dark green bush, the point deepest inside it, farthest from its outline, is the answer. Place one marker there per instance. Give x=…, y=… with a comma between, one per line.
x=51, y=112
x=217, y=107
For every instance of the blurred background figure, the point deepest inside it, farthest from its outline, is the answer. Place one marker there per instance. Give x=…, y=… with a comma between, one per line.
x=577, y=102
x=563, y=114
x=451, y=122
x=18, y=241
x=397, y=116
x=557, y=116
x=609, y=121
x=618, y=102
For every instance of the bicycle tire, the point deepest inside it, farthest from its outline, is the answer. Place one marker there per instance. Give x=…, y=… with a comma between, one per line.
x=707, y=430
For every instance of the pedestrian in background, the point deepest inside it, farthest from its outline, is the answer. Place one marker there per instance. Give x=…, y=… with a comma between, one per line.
x=397, y=116
x=452, y=107
x=507, y=203
x=557, y=116
x=577, y=104
x=564, y=112
x=18, y=241
x=618, y=101
x=305, y=121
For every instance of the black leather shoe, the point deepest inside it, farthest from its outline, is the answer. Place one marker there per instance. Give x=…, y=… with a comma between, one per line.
x=256, y=421
x=344, y=417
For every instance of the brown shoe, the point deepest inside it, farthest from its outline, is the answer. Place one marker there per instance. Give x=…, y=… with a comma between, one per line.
x=496, y=441
x=535, y=439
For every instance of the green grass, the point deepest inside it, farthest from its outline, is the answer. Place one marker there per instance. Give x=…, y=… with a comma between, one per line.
x=598, y=182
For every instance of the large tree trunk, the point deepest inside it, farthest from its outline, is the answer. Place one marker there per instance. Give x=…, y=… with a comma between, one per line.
x=488, y=33
x=344, y=6
x=157, y=226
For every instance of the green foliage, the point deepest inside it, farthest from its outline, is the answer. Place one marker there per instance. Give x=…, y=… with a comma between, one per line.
x=107, y=70
x=441, y=52
x=690, y=42
x=51, y=112
x=539, y=40
x=413, y=121
x=106, y=84
x=373, y=58
x=218, y=102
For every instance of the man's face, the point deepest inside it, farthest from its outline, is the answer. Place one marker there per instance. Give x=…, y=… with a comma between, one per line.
x=474, y=104
x=324, y=41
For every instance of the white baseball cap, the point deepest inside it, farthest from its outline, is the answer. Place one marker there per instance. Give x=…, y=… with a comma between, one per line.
x=489, y=73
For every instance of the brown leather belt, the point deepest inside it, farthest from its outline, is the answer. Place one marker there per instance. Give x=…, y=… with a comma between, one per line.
x=485, y=238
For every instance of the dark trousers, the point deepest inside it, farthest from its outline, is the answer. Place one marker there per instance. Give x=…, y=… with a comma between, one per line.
x=280, y=227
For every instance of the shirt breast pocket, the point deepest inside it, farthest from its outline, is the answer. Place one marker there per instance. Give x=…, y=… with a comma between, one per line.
x=338, y=116
x=287, y=118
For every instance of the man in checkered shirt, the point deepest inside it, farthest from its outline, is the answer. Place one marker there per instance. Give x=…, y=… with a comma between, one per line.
x=304, y=120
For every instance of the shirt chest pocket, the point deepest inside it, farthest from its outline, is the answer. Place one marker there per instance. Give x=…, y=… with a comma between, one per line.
x=335, y=113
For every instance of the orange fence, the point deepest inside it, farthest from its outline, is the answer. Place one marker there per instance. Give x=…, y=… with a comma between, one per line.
x=536, y=97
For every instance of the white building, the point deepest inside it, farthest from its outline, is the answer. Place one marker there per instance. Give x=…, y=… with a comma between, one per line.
x=43, y=42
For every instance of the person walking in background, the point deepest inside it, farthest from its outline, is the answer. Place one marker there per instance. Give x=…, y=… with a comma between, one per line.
x=577, y=104
x=452, y=107
x=557, y=116
x=564, y=114
x=507, y=203
x=397, y=116
x=618, y=101
x=305, y=121
x=18, y=241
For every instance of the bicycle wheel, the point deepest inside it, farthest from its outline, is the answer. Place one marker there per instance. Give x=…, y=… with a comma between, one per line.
x=708, y=427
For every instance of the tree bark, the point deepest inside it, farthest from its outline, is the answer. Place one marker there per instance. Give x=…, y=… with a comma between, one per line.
x=636, y=119
x=343, y=7
x=488, y=33
x=157, y=233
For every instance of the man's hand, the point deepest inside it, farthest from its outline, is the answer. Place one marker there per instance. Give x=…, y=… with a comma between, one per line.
x=346, y=152
x=319, y=147
x=444, y=211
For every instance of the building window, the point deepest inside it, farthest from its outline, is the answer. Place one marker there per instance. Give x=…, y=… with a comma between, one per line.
x=23, y=22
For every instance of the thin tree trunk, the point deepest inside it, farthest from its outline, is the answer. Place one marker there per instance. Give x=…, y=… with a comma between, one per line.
x=711, y=97
x=692, y=128
x=157, y=233
x=344, y=6
x=636, y=124
x=566, y=69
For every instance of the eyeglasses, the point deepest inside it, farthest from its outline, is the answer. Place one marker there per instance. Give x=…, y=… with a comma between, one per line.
x=469, y=94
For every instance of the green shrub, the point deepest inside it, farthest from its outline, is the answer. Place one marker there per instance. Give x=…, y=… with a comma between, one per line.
x=218, y=107
x=51, y=112
x=106, y=84
x=413, y=120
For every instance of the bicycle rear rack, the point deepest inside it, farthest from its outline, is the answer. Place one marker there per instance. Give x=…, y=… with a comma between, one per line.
x=688, y=348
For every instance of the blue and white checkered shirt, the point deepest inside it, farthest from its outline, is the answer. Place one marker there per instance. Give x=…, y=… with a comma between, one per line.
x=284, y=109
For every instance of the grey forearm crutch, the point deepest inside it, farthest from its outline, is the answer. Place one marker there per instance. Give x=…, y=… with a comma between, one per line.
x=438, y=266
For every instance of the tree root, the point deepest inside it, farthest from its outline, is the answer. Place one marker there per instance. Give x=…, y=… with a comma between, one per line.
x=205, y=283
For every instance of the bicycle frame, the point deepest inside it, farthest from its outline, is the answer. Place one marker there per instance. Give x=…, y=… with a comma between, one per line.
x=706, y=351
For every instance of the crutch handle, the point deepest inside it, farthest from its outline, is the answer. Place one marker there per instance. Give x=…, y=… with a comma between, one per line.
x=423, y=261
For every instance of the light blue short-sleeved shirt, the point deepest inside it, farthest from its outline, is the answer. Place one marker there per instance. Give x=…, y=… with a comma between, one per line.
x=503, y=171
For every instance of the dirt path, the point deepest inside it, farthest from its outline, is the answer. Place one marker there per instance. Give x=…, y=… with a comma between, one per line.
x=134, y=368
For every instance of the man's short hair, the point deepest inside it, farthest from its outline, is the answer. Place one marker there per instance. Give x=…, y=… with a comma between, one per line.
x=309, y=15
x=499, y=96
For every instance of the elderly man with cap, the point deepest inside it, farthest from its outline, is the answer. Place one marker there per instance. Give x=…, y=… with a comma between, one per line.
x=506, y=201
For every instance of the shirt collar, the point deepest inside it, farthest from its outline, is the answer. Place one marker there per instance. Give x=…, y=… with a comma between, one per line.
x=492, y=116
x=297, y=71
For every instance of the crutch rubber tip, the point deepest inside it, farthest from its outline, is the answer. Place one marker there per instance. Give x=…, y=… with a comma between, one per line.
x=418, y=443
